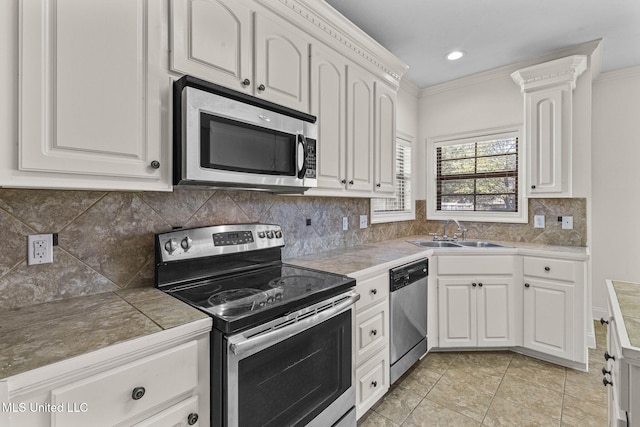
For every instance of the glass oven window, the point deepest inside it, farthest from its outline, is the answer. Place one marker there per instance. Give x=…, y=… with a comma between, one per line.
x=290, y=383
x=240, y=147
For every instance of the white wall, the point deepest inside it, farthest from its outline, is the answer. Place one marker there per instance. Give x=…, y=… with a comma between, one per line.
x=615, y=176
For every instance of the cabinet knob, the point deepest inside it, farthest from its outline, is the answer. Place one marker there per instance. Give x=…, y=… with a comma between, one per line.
x=603, y=322
x=547, y=269
x=374, y=332
x=374, y=383
x=344, y=181
x=605, y=372
x=607, y=356
x=246, y=82
x=261, y=88
x=192, y=418
x=137, y=393
x=351, y=182
x=474, y=284
x=378, y=185
x=606, y=382
x=374, y=291
x=533, y=187
x=155, y=164
x=526, y=285
x=480, y=284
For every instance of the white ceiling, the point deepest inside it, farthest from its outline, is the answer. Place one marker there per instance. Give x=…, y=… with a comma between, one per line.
x=494, y=33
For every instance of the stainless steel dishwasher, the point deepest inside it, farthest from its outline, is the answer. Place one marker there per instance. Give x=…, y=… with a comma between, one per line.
x=408, y=315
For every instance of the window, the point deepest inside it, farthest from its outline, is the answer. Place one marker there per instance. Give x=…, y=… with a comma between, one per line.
x=399, y=208
x=477, y=178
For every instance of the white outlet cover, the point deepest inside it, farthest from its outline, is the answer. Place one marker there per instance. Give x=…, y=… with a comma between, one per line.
x=40, y=249
x=538, y=221
x=345, y=223
x=567, y=223
x=363, y=221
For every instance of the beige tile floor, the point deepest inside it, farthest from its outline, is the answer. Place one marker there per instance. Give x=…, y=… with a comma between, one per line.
x=494, y=389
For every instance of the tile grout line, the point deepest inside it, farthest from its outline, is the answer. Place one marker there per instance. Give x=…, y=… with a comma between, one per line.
x=496, y=392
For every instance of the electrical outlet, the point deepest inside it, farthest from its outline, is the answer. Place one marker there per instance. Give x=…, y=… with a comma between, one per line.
x=363, y=221
x=567, y=223
x=40, y=249
x=538, y=221
x=345, y=223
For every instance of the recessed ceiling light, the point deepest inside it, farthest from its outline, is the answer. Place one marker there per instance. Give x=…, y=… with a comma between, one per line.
x=456, y=54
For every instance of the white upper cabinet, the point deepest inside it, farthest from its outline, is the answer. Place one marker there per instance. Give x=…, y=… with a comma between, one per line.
x=212, y=40
x=548, y=98
x=360, y=105
x=328, y=101
x=385, y=139
x=91, y=95
x=228, y=43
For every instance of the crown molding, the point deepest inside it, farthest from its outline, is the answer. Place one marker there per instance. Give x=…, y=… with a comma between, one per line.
x=619, y=74
x=588, y=49
x=409, y=87
x=323, y=21
x=551, y=73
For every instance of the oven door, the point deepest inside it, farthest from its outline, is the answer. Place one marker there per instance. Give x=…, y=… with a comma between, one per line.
x=294, y=371
x=238, y=144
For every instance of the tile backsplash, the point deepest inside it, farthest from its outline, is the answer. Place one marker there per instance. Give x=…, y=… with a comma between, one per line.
x=106, y=238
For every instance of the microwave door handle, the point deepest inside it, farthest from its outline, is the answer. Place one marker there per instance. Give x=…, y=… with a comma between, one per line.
x=302, y=141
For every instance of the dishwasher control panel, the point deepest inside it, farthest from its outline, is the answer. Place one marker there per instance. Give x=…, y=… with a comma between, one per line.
x=409, y=273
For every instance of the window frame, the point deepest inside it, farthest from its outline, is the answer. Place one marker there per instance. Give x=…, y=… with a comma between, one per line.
x=406, y=215
x=520, y=216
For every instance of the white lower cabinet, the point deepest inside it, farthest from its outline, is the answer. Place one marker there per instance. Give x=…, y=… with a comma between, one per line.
x=371, y=339
x=142, y=382
x=476, y=309
x=555, y=307
x=622, y=358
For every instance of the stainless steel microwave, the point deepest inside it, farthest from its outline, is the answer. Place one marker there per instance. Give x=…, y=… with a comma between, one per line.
x=224, y=138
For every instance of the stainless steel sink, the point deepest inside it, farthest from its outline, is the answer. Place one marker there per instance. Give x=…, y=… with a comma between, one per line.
x=478, y=244
x=434, y=244
x=458, y=244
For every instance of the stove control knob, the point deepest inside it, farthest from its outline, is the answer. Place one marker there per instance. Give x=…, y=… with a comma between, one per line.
x=261, y=234
x=269, y=234
x=278, y=234
x=171, y=245
x=186, y=243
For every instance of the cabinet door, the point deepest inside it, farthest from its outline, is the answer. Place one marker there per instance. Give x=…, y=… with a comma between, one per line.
x=496, y=312
x=282, y=63
x=328, y=103
x=359, y=130
x=385, y=139
x=547, y=170
x=211, y=39
x=91, y=91
x=549, y=317
x=457, y=313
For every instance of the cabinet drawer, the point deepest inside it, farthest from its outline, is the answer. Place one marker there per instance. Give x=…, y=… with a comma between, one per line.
x=371, y=383
x=109, y=396
x=181, y=414
x=550, y=268
x=371, y=330
x=490, y=264
x=372, y=290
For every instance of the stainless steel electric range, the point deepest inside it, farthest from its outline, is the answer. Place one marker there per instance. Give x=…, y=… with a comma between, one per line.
x=281, y=340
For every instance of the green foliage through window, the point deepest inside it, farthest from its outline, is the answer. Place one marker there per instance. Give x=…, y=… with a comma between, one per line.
x=478, y=176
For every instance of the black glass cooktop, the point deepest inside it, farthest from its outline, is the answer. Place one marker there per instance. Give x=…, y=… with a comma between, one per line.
x=237, y=301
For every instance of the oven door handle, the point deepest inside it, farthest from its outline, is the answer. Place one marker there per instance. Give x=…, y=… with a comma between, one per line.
x=244, y=345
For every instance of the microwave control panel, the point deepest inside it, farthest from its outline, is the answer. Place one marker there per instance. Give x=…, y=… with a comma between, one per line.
x=311, y=159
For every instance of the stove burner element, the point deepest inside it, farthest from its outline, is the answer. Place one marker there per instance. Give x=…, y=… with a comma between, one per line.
x=297, y=284
x=233, y=298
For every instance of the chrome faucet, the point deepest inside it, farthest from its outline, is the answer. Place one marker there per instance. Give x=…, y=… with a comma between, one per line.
x=455, y=236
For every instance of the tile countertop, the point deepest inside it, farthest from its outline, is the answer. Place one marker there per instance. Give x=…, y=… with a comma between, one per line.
x=388, y=253
x=41, y=334
x=628, y=295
